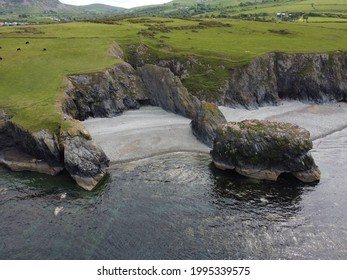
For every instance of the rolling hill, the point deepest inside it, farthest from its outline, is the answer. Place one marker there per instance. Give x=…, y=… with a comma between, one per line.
x=37, y=9
x=247, y=9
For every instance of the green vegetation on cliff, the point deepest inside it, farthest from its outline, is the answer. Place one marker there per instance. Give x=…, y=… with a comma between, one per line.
x=32, y=79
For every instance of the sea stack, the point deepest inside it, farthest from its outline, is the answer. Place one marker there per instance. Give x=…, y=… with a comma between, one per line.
x=265, y=150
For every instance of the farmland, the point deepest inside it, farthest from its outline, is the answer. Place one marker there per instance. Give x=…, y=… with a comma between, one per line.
x=32, y=79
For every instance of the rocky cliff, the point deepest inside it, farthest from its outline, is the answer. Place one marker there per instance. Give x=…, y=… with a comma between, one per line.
x=265, y=80
x=165, y=90
x=72, y=149
x=304, y=77
x=104, y=94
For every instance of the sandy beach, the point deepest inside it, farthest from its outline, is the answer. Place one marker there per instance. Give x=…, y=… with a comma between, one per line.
x=320, y=120
x=143, y=133
x=152, y=131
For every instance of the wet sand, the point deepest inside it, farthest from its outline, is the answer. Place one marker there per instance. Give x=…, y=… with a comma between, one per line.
x=143, y=133
x=152, y=131
x=320, y=120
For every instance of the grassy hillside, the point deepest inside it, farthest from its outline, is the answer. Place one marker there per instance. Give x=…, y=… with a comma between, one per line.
x=45, y=10
x=247, y=9
x=31, y=80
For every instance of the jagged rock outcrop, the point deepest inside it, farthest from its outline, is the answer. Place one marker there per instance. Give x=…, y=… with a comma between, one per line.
x=21, y=150
x=74, y=150
x=176, y=67
x=312, y=77
x=16, y=160
x=42, y=145
x=254, y=85
x=83, y=158
x=139, y=55
x=275, y=76
x=206, y=121
x=265, y=150
x=165, y=90
x=104, y=94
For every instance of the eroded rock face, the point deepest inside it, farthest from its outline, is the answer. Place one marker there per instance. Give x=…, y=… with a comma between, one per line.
x=312, y=77
x=103, y=94
x=253, y=85
x=206, y=121
x=275, y=76
x=264, y=150
x=40, y=147
x=74, y=150
x=165, y=90
x=83, y=158
x=17, y=160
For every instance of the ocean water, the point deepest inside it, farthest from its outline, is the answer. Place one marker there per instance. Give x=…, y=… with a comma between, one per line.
x=177, y=205
x=173, y=206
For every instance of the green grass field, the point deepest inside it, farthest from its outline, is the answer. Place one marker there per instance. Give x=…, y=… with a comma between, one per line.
x=32, y=80
x=324, y=8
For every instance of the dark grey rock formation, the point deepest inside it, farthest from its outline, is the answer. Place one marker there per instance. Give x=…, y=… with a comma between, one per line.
x=103, y=94
x=139, y=55
x=312, y=77
x=83, y=159
x=264, y=150
x=254, y=85
x=205, y=123
x=16, y=160
x=179, y=69
x=306, y=77
x=165, y=90
x=74, y=150
x=22, y=150
x=42, y=145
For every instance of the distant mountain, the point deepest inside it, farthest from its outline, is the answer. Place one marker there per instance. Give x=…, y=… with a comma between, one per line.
x=101, y=8
x=53, y=6
x=32, y=4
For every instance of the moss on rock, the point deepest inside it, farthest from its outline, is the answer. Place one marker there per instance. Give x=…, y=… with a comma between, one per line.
x=261, y=148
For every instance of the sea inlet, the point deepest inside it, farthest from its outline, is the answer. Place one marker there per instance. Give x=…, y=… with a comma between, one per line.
x=164, y=199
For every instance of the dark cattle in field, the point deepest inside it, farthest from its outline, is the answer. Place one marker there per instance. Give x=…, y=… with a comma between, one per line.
x=44, y=49
x=27, y=42
x=18, y=49
x=0, y=58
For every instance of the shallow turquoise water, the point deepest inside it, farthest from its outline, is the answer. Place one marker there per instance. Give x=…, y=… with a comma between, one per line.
x=175, y=206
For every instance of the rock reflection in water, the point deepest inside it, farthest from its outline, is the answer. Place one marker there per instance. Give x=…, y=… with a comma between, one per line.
x=175, y=206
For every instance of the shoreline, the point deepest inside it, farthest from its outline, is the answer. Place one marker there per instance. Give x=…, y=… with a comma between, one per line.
x=152, y=131
x=320, y=120
x=143, y=133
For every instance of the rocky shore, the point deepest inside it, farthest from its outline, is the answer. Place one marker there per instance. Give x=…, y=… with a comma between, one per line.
x=267, y=80
x=265, y=150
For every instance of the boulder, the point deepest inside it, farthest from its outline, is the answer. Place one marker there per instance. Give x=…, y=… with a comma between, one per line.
x=265, y=150
x=206, y=121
